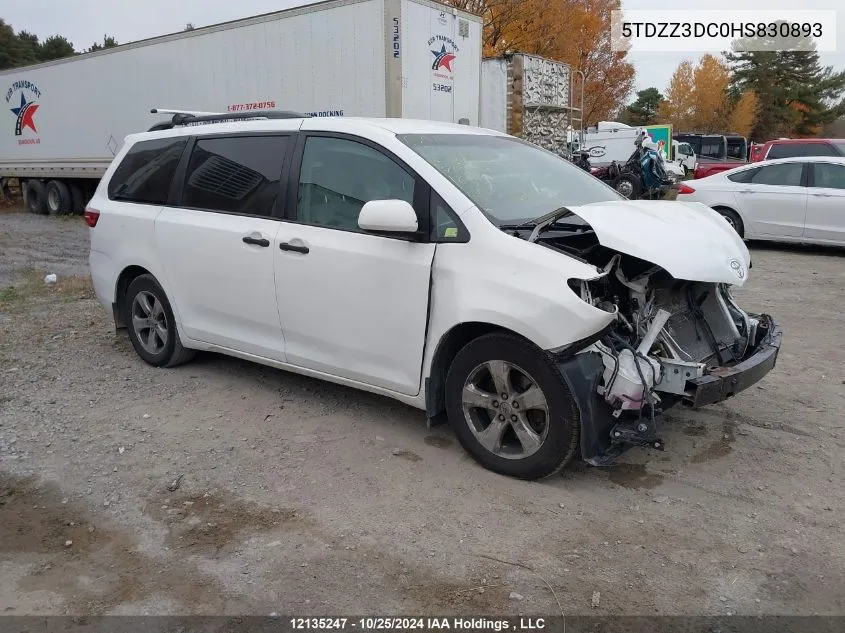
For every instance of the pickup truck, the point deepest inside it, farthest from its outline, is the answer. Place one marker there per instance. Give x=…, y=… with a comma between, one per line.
x=704, y=169
x=735, y=154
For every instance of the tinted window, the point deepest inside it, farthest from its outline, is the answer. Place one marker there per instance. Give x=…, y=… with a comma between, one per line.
x=238, y=174
x=821, y=149
x=737, y=148
x=787, y=174
x=713, y=148
x=338, y=176
x=743, y=176
x=145, y=173
x=829, y=175
x=786, y=150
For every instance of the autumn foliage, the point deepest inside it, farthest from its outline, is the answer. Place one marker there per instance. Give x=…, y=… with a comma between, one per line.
x=573, y=31
x=698, y=99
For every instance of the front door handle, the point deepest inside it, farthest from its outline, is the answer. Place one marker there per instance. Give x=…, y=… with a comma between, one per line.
x=747, y=191
x=258, y=241
x=296, y=248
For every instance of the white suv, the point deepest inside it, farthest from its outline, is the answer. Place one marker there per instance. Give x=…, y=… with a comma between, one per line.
x=455, y=269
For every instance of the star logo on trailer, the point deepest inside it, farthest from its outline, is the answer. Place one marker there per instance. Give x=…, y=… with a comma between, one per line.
x=22, y=98
x=25, y=112
x=442, y=59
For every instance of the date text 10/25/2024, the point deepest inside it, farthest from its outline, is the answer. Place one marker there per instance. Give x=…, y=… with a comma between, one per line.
x=418, y=624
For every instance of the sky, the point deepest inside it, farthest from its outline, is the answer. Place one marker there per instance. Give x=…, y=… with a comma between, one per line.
x=84, y=22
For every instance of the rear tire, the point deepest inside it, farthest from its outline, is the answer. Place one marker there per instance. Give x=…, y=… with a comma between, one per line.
x=36, y=197
x=78, y=198
x=531, y=430
x=733, y=219
x=152, y=328
x=59, y=201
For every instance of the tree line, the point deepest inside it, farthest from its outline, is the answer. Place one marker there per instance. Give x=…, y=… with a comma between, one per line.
x=576, y=32
x=761, y=94
x=24, y=48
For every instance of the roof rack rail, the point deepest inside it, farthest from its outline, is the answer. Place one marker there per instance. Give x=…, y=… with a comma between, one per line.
x=183, y=118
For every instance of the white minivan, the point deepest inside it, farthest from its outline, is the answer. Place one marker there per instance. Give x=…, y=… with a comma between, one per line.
x=459, y=270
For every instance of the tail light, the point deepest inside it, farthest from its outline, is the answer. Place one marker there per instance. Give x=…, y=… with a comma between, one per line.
x=91, y=216
x=684, y=188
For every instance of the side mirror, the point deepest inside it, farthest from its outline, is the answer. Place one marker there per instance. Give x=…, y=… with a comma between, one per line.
x=388, y=216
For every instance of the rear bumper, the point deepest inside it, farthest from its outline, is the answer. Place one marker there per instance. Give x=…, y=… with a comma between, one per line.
x=721, y=383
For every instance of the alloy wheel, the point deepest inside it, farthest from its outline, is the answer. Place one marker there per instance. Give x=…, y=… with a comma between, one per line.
x=149, y=322
x=505, y=409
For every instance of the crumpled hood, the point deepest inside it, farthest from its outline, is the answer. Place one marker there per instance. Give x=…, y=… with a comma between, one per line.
x=687, y=239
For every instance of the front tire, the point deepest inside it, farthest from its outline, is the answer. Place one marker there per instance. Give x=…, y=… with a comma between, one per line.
x=510, y=408
x=152, y=328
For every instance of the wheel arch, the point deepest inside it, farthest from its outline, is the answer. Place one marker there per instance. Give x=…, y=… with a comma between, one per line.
x=447, y=348
x=126, y=277
x=733, y=209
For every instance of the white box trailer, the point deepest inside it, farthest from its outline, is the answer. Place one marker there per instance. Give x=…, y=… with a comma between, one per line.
x=530, y=97
x=65, y=120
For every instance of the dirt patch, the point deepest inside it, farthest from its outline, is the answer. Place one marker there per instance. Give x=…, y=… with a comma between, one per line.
x=37, y=518
x=634, y=476
x=438, y=441
x=411, y=456
x=95, y=568
x=31, y=286
x=206, y=523
x=718, y=448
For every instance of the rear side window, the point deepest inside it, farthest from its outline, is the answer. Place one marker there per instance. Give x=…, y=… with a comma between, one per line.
x=784, y=174
x=829, y=176
x=787, y=150
x=145, y=173
x=821, y=149
x=743, y=176
x=237, y=174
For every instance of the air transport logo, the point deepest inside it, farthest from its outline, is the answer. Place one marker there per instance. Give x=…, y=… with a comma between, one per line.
x=23, y=97
x=442, y=59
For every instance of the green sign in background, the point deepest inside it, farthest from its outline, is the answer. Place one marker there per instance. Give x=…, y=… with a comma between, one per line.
x=662, y=133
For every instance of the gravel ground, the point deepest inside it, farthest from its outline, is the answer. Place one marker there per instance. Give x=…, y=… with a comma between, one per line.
x=223, y=487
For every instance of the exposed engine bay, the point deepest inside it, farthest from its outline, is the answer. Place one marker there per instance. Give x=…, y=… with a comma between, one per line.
x=672, y=341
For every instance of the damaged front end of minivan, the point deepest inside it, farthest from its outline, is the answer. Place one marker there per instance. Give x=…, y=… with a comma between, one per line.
x=673, y=340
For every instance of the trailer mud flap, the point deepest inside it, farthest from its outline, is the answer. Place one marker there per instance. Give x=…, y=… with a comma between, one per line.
x=582, y=374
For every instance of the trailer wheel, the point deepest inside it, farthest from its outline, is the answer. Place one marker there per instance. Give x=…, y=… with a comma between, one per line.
x=59, y=201
x=36, y=197
x=78, y=198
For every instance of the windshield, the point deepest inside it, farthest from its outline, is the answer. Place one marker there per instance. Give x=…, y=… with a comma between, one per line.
x=841, y=147
x=510, y=180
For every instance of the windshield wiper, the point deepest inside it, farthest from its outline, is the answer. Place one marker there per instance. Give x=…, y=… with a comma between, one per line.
x=543, y=222
x=543, y=219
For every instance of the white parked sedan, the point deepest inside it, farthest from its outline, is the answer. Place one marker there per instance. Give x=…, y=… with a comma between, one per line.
x=456, y=269
x=798, y=199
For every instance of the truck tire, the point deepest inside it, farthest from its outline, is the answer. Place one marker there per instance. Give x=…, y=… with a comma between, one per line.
x=78, y=198
x=59, y=201
x=36, y=197
x=510, y=407
x=628, y=186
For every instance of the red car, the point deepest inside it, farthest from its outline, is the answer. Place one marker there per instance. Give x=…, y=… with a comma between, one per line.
x=794, y=147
